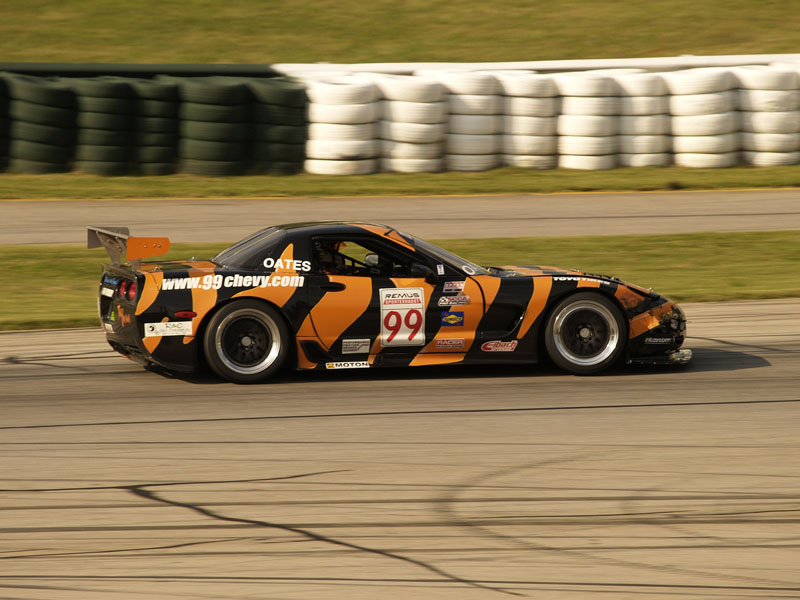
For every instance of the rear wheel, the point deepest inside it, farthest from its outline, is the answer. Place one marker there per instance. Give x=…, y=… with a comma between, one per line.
x=247, y=341
x=585, y=334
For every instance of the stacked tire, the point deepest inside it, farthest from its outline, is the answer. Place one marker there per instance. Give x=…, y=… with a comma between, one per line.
x=343, y=115
x=212, y=112
x=589, y=122
x=474, y=123
x=156, y=137
x=106, y=118
x=414, y=114
x=4, y=122
x=530, y=109
x=705, y=124
x=279, y=130
x=42, y=124
x=644, y=122
x=769, y=104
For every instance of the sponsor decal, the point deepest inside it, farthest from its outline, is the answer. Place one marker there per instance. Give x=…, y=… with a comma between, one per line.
x=286, y=264
x=498, y=346
x=216, y=282
x=124, y=318
x=450, y=343
x=168, y=328
x=359, y=364
x=658, y=340
x=453, y=287
x=359, y=346
x=592, y=279
x=468, y=270
x=402, y=317
x=106, y=291
x=452, y=319
x=440, y=269
x=453, y=300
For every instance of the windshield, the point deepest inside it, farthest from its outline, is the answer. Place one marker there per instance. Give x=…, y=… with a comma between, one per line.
x=250, y=252
x=468, y=267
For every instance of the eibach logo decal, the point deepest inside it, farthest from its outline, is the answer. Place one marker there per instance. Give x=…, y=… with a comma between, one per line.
x=498, y=346
x=402, y=317
x=216, y=282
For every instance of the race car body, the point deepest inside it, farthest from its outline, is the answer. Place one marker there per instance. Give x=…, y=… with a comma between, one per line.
x=355, y=295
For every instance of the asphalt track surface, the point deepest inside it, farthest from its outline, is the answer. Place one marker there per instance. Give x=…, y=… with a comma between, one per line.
x=217, y=220
x=441, y=483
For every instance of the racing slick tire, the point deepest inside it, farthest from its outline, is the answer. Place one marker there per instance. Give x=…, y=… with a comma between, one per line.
x=585, y=334
x=246, y=341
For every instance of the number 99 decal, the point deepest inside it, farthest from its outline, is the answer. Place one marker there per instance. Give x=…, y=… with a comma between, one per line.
x=402, y=317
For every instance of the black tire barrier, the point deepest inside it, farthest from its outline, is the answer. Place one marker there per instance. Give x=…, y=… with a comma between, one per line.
x=101, y=167
x=193, y=111
x=155, y=154
x=32, y=167
x=278, y=152
x=109, y=121
x=126, y=106
x=209, y=90
x=156, y=124
x=214, y=132
x=279, y=115
x=45, y=134
x=211, y=151
x=150, y=169
x=281, y=134
x=39, y=90
x=102, y=153
x=156, y=138
x=281, y=91
x=157, y=108
x=22, y=110
x=99, y=87
x=102, y=137
x=276, y=168
x=38, y=152
x=212, y=168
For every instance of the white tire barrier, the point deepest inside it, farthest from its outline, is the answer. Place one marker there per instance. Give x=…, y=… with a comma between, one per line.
x=475, y=124
x=663, y=159
x=341, y=90
x=770, y=159
x=466, y=82
x=717, y=124
x=769, y=100
x=699, y=81
x=706, y=144
x=771, y=122
x=527, y=85
x=587, y=163
x=770, y=142
x=760, y=77
x=643, y=105
x=581, y=84
x=641, y=84
x=703, y=104
x=412, y=165
x=412, y=133
x=644, y=144
x=471, y=162
x=404, y=88
x=464, y=104
x=531, y=161
x=587, y=125
x=529, y=145
x=457, y=143
x=414, y=112
x=707, y=161
x=655, y=124
x=403, y=150
x=342, y=150
x=337, y=131
x=600, y=105
x=588, y=146
x=530, y=107
x=344, y=113
x=341, y=167
x=518, y=125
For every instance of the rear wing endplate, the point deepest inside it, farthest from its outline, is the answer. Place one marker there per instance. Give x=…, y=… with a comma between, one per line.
x=116, y=241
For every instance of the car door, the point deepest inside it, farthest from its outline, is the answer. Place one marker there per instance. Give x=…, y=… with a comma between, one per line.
x=384, y=304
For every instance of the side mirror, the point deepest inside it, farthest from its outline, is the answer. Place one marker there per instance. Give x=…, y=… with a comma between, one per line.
x=423, y=271
x=371, y=260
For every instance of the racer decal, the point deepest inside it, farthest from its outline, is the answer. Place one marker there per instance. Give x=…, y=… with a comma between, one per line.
x=453, y=300
x=361, y=364
x=402, y=316
x=359, y=346
x=452, y=319
x=168, y=328
x=449, y=343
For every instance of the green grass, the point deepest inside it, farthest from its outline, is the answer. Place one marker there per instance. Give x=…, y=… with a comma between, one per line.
x=346, y=31
x=500, y=181
x=56, y=286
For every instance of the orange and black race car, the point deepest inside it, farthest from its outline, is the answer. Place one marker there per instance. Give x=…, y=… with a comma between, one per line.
x=357, y=295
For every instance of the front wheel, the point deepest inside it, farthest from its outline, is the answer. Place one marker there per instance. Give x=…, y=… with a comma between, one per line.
x=585, y=334
x=246, y=341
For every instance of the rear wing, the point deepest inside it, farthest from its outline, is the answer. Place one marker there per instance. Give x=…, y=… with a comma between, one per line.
x=116, y=241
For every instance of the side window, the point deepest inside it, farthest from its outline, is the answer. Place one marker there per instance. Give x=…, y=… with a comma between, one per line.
x=366, y=258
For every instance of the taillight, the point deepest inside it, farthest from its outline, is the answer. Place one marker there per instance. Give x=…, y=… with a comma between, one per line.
x=132, y=291
x=123, y=288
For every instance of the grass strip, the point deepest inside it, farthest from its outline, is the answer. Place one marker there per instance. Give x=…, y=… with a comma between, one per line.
x=56, y=286
x=507, y=180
